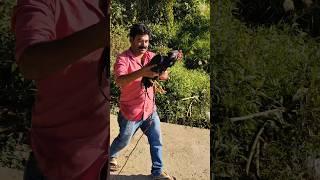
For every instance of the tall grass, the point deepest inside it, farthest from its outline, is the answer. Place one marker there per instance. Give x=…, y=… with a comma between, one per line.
x=257, y=70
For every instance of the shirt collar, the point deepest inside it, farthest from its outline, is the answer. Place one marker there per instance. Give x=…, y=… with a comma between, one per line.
x=132, y=57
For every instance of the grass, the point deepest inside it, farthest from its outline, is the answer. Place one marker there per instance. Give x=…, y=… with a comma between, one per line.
x=256, y=70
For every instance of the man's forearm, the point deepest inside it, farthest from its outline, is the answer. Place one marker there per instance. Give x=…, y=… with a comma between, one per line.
x=43, y=59
x=126, y=79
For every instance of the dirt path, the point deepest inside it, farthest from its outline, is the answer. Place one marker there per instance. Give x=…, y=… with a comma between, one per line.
x=10, y=174
x=186, y=153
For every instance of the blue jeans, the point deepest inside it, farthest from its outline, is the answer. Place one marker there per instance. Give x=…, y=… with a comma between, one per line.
x=151, y=128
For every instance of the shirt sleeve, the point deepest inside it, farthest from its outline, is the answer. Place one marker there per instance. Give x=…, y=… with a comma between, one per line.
x=33, y=22
x=120, y=66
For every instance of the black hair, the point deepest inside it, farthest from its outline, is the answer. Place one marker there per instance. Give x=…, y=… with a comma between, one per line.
x=139, y=29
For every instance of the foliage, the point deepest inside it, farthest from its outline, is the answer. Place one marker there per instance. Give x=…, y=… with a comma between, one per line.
x=193, y=38
x=256, y=70
x=187, y=100
x=151, y=11
x=16, y=97
x=303, y=14
x=119, y=41
x=162, y=35
x=179, y=24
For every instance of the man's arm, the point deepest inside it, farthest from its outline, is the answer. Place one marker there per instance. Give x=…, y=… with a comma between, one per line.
x=124, y=80
x=60, y=53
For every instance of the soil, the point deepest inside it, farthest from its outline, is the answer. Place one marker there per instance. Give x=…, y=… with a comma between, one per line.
x=186, y=153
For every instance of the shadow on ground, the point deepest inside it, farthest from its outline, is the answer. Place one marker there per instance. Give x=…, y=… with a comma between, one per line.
x=130, y=177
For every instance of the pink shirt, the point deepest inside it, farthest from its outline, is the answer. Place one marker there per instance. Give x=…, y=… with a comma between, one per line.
x=135, y=101
x=70, y=118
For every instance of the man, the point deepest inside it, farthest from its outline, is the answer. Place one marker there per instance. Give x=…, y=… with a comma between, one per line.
x=59, y=44
x=137, y=105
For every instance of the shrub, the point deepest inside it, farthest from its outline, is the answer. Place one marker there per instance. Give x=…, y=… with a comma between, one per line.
x=162, y=35
x=256, y=70
x=16, y=97
x=119, y=41
x=193, y=38
x=198, y=55
x=187, y=99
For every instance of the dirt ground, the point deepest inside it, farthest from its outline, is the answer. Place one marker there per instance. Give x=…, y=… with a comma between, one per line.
x=10, y=174
x=186, y=153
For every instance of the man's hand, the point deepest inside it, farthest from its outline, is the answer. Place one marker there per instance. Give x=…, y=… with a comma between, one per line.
x=180, y=55
x=164, y=76
x=124, y=80
x=147, y=72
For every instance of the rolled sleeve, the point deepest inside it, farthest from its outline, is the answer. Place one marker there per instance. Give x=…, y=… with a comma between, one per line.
x=33, y=22
x=120, y=67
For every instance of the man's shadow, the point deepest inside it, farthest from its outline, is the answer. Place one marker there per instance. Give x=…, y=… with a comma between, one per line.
x=130, y=177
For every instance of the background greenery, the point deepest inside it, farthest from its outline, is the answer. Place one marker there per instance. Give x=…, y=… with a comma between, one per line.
x=16, y=97
x=270, y=69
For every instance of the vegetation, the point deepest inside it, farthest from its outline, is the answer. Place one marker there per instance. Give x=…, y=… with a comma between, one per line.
x=16, y=97
x=265, y=83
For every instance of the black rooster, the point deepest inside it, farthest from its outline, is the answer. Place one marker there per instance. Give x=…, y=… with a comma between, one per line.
x=162, y=63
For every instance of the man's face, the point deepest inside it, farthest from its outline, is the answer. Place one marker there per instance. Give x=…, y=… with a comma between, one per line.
x=139, y=44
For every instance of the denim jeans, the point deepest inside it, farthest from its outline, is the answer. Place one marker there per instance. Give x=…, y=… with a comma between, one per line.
x=151, y=128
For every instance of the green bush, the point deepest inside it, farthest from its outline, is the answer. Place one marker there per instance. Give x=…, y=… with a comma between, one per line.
x=161, y=34
x=187, y=100
x=183, y=8
x=198, y=55
x=16, y=97
x=193, y=38
x=119, y=41
x=256, y=70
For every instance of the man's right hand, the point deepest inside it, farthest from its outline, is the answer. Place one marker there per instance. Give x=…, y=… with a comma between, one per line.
x=147, y=72
x=124, y=80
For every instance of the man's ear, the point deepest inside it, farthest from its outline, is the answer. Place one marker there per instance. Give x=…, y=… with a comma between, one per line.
x=131, y=39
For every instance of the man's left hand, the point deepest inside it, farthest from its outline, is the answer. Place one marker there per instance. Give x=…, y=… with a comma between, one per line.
x=164, y=76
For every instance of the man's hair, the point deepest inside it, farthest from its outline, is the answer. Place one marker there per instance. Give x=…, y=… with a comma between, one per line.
x=139, y=29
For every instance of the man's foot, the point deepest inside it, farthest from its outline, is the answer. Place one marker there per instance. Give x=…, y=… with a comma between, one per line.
x=164, y=176
x=114, y=166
